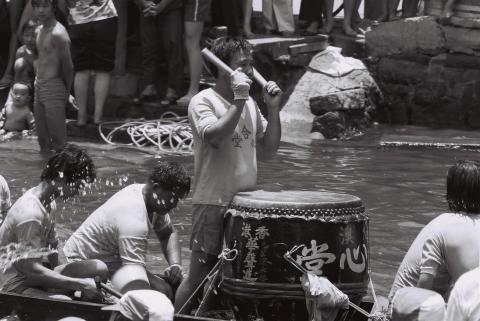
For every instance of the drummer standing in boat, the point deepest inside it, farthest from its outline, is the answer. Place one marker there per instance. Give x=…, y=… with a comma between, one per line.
x=227, y=127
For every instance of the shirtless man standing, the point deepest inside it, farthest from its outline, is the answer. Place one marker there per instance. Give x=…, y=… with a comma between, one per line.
x=53, y=79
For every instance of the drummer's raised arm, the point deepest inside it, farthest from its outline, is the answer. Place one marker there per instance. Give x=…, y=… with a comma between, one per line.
x=272, y=95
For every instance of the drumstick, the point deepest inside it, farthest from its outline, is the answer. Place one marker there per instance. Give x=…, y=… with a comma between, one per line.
x=210, y=56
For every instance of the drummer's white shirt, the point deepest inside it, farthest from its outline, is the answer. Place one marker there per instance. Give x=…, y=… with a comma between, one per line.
x=232, y=167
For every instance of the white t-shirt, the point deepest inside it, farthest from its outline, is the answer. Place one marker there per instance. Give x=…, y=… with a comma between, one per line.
x=446, y=248
x=464, y=302
x=27, y=221
x=232, y=167
x=117, y=232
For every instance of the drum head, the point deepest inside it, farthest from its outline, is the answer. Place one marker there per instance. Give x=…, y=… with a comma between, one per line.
x=295, y=199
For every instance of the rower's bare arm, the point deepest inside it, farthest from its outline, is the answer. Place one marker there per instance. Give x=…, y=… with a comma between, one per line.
x=171, y=248
x=62, y=45
x=38, y=275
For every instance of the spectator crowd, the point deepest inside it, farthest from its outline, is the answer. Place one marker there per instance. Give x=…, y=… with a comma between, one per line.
x=59, y=47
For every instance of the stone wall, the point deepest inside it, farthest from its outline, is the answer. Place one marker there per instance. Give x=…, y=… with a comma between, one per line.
x=428, y=71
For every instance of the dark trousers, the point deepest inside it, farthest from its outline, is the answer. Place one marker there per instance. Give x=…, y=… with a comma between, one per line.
x=311, y=10
x=228, y=13
x=163, y=32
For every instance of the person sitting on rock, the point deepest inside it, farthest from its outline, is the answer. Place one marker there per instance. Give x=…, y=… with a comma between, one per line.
x=449, y=245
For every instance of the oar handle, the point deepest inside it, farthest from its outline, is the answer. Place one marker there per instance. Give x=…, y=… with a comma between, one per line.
x=103, y=286
x=259, y=78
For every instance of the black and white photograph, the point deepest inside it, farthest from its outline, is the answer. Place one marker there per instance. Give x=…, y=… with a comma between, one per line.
x=239, y=160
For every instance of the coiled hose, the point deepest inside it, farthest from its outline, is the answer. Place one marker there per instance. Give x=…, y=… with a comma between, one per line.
x=171, y=133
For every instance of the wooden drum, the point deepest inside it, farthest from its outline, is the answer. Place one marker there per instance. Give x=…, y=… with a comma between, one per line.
x=332, y=230
x=469, y=9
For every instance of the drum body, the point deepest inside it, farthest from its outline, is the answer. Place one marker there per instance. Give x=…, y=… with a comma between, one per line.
x=332, y=230
x=469, y=9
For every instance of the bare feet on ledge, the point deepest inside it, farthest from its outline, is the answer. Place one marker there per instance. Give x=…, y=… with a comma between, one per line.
x=170, y=98
x=247, y=33
x=349, y=31
x=312, y=29
x=327, y=27
x=287, y=34
x=149, y=93
x=185, y=100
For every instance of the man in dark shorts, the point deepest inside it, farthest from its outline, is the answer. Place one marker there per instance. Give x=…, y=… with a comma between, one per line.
x=93, y=30
x=227, y=127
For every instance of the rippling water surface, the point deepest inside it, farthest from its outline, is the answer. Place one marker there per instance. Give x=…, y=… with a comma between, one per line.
x=402, y=189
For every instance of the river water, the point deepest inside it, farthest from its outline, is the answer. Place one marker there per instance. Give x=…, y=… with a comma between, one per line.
x=402, y=189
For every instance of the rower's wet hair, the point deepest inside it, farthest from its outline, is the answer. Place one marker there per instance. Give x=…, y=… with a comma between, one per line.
x=172, y=177
x=463, y=187
x=225, y=47
x=72, y=163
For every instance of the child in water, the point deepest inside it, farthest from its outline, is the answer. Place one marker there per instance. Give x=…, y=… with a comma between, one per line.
x=16, y=116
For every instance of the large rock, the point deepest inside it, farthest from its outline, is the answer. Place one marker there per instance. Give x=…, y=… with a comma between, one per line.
x=462, y=40
x=419, y=34
x=339, y=91
x=345, y=100
x=331, y=125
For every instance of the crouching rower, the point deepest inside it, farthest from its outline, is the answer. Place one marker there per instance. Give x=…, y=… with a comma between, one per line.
x=117, y=232
x=30, y=221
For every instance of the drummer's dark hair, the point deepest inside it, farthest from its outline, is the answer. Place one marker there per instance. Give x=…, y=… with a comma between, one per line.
x=37, y=3
x=72, y=163
x=463, y=187
x=225, y=47
x=172, y=177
